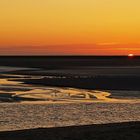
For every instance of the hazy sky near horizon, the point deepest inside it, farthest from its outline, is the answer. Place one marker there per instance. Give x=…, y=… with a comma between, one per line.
x=60, y=27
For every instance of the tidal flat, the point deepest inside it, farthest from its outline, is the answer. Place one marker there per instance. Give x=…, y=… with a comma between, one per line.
x=74, y=94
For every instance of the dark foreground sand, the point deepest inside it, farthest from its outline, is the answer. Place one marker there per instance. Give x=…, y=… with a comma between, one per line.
x=118, y=131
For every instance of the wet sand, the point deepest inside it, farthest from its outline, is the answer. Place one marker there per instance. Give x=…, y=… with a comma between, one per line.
x=81, y=92
x=13, y=89
x=27, y=105
x=18, y=116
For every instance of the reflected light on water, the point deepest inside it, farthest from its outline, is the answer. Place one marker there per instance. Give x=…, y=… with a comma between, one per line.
x=56, y=94
x=7, y=82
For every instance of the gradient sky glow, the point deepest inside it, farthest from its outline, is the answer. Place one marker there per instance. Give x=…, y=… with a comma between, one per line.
x=61, y=27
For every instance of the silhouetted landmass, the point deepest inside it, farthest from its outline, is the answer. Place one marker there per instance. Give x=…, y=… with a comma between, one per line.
x=118, y=131
x=58, y=62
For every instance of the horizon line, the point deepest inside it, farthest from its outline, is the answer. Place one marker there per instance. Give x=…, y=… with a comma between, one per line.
x=68, y=55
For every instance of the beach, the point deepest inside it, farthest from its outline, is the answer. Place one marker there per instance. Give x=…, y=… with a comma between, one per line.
x=80, y=98
x=17, y=116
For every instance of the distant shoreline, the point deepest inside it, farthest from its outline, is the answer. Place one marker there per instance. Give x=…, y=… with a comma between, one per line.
x=90, y=56
x=55, y=62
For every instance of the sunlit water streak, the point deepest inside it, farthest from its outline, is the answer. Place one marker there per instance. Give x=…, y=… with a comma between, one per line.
x=52, y=94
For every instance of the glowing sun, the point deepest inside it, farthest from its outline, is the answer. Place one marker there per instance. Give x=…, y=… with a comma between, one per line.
x=130, y=55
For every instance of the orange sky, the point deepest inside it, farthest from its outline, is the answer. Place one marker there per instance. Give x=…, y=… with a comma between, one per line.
x=60, y=27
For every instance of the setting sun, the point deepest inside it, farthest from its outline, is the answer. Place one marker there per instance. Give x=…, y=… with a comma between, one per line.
x=130, y=55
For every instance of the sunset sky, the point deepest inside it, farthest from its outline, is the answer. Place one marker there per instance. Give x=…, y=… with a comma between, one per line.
x=69, y=27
